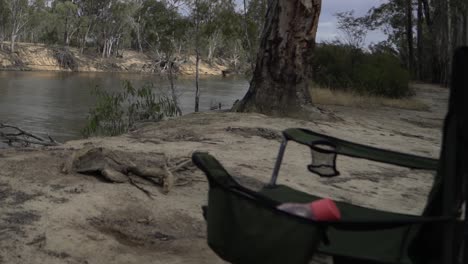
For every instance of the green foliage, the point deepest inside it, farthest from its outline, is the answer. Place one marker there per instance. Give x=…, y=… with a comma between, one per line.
x=164, y=28
x=116, y=113
x=344, y=67
x=161, y=25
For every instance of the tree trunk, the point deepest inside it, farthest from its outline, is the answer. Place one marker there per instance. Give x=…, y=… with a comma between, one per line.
x=280, y=84
x=465, y=27
x=140, y=46
x=420, y=40
x=427, y=13
x=138, y=33
x=251, y=55
x=12, y=43
x=2, y=36
x=438, y=42
x=197, y=77
x=197, y=62
x=449, y=44
x=173, y=88
x=85, y=38
x=65, y=33
x=409, y=35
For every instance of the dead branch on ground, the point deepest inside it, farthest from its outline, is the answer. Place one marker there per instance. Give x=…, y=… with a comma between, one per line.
x=14, y=136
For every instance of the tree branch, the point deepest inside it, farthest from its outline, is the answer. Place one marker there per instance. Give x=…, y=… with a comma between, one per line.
x=10, y=134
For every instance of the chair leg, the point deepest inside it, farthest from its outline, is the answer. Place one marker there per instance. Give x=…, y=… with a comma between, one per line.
x=279, y=159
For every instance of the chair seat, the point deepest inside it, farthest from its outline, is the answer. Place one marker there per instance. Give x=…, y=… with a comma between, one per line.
x=382, y=246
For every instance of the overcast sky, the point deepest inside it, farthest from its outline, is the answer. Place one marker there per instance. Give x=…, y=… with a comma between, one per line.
x=327, y=23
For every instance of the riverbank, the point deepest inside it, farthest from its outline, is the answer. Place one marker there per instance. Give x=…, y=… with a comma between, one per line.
x=40, y=57
x=51, y=217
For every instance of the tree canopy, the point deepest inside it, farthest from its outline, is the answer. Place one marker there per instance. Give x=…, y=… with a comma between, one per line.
x=159, y=26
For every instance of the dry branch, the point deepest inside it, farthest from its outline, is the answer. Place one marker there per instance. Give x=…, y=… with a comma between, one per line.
x=14, y=136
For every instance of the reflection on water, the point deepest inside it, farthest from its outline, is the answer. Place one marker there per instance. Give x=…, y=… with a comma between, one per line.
x=57, y=103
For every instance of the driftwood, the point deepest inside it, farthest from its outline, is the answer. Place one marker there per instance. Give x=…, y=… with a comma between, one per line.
x=14, y=136
x=123, y=167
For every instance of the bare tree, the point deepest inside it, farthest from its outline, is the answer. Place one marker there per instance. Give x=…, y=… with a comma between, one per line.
x=213, y=43
x=19, y=18
x=280, y=84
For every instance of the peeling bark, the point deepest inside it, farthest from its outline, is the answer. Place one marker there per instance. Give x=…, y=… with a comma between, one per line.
x=280, y=84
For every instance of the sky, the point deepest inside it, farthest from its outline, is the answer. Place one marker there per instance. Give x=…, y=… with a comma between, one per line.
x=327, y=24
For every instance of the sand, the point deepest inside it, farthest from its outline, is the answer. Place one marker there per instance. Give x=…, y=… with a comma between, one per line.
x=50, y=217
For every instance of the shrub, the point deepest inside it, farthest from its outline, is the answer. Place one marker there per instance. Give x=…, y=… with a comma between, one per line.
x=343, y=67
x=116, y=113
x=65, y=58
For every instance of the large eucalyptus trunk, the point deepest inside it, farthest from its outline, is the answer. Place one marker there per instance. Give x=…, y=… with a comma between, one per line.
x=280, y=84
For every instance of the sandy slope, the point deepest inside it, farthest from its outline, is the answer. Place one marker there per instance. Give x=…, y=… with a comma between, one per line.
x=50, y=217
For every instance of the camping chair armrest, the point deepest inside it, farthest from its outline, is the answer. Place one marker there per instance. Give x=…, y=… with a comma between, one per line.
x=307, y=137
x=347, y=148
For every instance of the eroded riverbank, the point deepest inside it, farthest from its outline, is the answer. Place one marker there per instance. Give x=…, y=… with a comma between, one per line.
x=40, y=57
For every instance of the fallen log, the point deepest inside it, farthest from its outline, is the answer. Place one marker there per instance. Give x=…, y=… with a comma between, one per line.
x=119, y=167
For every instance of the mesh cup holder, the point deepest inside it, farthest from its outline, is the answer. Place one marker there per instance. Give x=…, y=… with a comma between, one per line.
x=323, y=159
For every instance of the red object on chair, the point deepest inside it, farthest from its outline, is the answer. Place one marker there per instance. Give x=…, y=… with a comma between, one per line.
x=325, y=210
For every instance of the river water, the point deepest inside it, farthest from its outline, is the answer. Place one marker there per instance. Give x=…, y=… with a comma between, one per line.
x=57, y=103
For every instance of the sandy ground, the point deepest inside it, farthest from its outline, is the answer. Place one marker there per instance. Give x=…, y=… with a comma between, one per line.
x=39, y=57
x=50, y=217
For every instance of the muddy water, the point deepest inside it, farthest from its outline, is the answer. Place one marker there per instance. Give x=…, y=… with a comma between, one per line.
x=57, y=103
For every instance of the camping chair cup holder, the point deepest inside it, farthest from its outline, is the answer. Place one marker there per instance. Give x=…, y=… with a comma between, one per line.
x=323, y=154
x=323, y=159
x=246, y=227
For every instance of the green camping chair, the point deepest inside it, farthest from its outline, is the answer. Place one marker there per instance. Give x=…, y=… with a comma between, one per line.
x=245, y=226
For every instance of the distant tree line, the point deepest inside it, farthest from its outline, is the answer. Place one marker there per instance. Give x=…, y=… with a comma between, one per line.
x=421, y=33
x=163, y=27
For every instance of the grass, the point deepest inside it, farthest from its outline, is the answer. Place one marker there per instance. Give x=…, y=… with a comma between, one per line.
x=325, y=96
